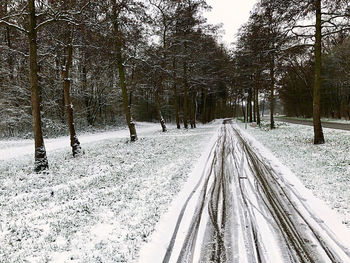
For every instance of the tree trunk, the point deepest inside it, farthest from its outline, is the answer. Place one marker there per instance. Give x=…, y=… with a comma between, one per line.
x=254, y=104
x=176, y=106
x=263, y=107
x=74, y=142
x=272, y=91
x=318, y=133
x=2, y=11
x=159, y=112
x=192, y=111
x=195, y=110
x=185, y=96
x=60, y=100
x=129, y=120
x=7, y=38
x=86, y=96
x=235, y=108
x=258, y=122
x=244, y=111
x=9, y=58
x=164, y=67
x=121, y=71
x=204, y=111
x=250, y=105
x=176, y=96
x=41, y=162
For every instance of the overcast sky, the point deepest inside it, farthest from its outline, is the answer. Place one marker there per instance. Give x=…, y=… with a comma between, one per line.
x=231, y=13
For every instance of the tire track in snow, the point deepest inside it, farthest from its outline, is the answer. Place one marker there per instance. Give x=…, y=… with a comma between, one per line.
x=247, y=213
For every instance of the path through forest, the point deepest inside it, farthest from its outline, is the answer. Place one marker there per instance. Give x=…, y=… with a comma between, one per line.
x=243, y=210
x=325, y=124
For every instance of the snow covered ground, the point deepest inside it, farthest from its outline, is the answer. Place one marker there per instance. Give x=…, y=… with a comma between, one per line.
x=103, y=206
x=326, y=223
x=324, y=169
x=14, y=148
x=99, y=207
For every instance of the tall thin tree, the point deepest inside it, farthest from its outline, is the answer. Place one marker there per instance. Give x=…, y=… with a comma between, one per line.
x=41, y=162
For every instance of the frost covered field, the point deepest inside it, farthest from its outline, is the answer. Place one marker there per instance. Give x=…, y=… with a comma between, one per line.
x=99, y=207
x=324, y=169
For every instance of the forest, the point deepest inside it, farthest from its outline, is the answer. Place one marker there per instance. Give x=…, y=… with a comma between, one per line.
x=73, y=65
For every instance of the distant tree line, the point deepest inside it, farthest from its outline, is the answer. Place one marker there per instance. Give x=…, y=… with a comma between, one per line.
x=77, y=63
x=67, y=65
x=297, y=51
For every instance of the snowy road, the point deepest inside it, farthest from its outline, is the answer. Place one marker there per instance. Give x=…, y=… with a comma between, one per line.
x=244, y=210
x=325, y=124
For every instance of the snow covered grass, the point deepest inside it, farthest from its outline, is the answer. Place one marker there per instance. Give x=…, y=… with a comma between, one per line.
x=99, y=207
x=324, y=169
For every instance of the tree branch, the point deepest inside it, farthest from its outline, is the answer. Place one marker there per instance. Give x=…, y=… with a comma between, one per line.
x=8, y=24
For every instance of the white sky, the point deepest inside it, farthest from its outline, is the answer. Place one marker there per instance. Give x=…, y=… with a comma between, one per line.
x=231, y=13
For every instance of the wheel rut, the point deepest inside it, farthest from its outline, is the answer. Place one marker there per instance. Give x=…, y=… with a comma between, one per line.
x=246, y=212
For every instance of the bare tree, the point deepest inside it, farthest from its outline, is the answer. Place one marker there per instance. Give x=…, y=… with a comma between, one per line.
x=41, y=162
x=74, y=142
x=119, y=42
